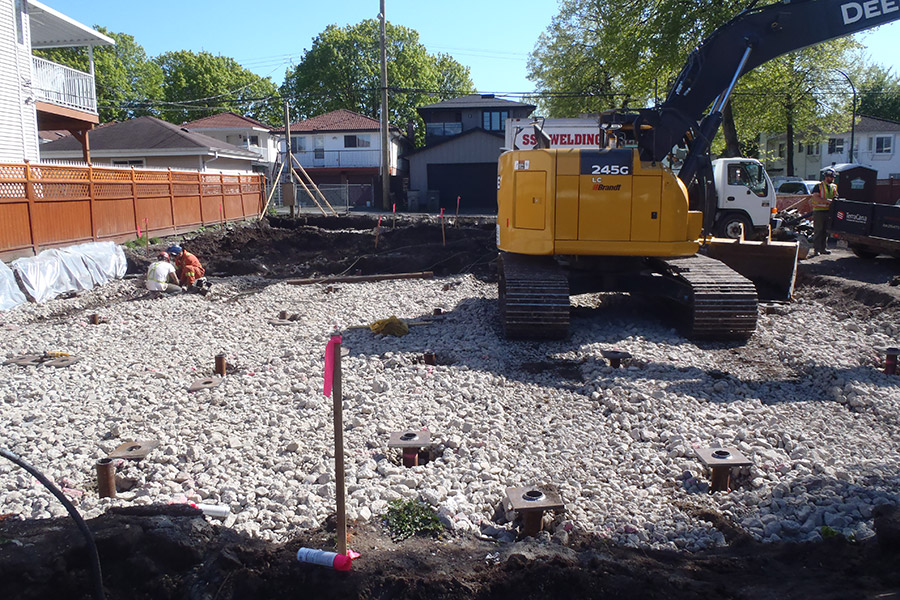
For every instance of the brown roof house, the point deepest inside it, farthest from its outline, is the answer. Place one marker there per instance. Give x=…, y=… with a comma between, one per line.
x=150, y=142
x=463, y=140
x=344, y=148
x=243, y=132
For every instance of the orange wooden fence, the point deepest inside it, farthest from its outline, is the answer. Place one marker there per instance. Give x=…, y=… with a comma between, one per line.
x=44, y=205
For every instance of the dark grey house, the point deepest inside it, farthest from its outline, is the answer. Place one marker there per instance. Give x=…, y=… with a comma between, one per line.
x=463, y=137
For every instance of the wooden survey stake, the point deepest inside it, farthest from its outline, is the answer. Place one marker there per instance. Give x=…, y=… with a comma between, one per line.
x=341, y=533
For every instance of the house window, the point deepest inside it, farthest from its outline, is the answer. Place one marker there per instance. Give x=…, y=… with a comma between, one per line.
x=320, y=147
x=781, y=150
x=812, y=149
x=494, y=120
x=298, y=143
x=357, y=141
x=134, y=162
x=835, y=145
x=442, y=129
x=884, y=144
x=254, y=140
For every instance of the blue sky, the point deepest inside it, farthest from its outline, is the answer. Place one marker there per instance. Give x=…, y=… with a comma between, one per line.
x=492, y=37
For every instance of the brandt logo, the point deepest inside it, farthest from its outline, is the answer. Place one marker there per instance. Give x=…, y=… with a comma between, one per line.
x=608, y=188
x=854, y=11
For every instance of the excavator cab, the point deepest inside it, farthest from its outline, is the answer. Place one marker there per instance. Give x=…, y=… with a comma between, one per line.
x=617, y=128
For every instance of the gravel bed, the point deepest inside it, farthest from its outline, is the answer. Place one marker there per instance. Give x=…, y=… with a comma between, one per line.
x=804, y=399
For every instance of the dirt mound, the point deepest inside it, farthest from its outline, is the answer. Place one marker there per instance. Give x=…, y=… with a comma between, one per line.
x=319, y=246
x=158, y=552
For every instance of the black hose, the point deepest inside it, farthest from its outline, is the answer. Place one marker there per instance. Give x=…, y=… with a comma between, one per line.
x=96, y=576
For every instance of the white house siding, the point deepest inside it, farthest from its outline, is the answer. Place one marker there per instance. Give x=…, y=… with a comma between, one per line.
x=336, y=155
x=268, y=144
x=887, y=164
x=18, y=119
x=180, y=163
x=808, y=166
x=190, y=163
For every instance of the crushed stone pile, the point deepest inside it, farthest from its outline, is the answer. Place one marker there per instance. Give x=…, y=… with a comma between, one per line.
x=804, y=399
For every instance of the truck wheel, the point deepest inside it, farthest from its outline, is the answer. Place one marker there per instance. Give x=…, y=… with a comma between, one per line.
x=729, y=226
x=862, y=251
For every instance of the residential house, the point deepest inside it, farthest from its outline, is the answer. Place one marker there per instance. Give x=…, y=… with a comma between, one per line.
x=243, y=132
x=344, y=148
x=463, y=140
x=37, y=94
x=875, y=145
x=807, y=156
x=151, y=142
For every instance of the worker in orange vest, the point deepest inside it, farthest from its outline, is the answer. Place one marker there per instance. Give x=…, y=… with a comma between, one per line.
x=822, y=196
x=189, y=270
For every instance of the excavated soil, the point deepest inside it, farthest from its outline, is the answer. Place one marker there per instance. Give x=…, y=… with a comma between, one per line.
x=279, y=248
x=173, y=552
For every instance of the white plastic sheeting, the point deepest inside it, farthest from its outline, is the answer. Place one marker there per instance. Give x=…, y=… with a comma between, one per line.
x=10, y=294
x=73, y=269
x=104, y=260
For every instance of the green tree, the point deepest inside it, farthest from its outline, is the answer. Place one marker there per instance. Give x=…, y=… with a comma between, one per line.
x=453, y=78
x=127, y=82
x=199, y=84
x=878, y=91
x=601, y=54
x=799, y=94
x=342, y=70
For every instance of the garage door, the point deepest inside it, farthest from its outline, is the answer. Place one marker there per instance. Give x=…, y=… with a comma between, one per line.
x=474, y=183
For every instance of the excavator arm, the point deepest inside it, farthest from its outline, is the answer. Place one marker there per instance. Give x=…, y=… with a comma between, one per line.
x=753, y=37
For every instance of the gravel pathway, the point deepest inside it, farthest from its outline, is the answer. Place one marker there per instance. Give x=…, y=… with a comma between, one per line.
x=804, y=399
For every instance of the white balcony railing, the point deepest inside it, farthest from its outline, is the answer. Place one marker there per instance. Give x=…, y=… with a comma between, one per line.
x=265, y=153
x=64, y=86
x=339, y=158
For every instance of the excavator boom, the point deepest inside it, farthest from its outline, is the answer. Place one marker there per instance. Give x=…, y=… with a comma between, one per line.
x=767, y=32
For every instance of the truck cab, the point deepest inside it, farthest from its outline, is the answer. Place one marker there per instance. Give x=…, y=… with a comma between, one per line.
x=746, y=197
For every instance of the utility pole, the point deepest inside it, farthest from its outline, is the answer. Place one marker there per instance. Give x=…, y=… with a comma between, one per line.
x=385, y=134
x=852, y=115
x=287, y=187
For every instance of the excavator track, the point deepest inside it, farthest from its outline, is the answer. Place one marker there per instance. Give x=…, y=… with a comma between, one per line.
x=722, y=304
x=534, y=297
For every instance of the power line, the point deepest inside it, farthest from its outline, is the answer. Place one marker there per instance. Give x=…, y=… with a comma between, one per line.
x=221, y=99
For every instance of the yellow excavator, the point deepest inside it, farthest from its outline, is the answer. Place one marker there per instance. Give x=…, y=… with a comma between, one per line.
x=616, y=219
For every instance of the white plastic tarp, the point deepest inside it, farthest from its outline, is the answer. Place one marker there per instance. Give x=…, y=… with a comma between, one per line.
x=73, y=269
x=10, y=294
x=104, y=260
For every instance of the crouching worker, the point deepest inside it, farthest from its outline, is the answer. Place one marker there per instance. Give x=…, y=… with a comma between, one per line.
x=161, y=275
x=189, y=270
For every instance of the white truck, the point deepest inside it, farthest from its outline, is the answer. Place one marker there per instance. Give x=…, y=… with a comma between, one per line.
x=746, y=198
x=746, y=194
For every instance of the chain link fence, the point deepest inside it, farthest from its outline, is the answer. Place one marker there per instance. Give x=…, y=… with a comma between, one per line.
x=342, y=197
